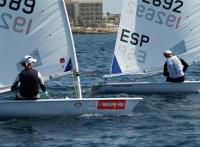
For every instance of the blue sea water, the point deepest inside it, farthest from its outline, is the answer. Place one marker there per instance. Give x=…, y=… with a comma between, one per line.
x=158, y=121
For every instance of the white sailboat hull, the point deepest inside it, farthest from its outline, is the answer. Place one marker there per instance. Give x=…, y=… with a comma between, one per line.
x=66, y=107
x=148, y=87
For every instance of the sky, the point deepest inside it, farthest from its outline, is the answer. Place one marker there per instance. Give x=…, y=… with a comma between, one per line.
x=112, y=6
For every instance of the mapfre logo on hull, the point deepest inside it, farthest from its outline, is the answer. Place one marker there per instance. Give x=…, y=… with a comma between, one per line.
x=111, y=104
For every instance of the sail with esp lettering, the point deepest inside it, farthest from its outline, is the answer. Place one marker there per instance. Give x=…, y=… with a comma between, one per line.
x=149, y=27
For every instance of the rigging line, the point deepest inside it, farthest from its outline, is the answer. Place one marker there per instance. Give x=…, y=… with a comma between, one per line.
x=148, y=76
x=46, y=95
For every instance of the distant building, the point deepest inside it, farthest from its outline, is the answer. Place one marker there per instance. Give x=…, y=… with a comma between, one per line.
x=70, y=9
x=88, y=13
x=111, y=20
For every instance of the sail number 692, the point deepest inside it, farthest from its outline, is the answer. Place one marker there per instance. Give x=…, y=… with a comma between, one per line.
x=28, y=5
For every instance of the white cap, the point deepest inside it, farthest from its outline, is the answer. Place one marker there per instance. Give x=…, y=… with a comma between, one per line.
x=29, y=59
x=167, y=52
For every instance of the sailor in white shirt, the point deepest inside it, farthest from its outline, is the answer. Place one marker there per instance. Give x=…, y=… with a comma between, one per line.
x=174, y=68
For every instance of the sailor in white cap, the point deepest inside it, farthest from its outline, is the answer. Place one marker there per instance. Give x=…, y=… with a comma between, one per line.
x=174, y=67
x=30, y=81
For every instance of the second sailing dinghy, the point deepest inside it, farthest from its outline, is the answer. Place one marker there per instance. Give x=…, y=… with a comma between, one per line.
x=40, y=28
x=148, y=28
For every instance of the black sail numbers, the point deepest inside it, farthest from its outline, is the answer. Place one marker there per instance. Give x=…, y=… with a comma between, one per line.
x=11, y=21
x=26, y=6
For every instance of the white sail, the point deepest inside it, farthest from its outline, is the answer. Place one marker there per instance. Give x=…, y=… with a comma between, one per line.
x=148, y=27
x=39, y=28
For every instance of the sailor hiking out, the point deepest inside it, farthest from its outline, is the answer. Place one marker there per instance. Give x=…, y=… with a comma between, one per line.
x=174, y=67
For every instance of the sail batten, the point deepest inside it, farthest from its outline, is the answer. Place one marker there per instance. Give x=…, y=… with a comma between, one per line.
x=147, y=29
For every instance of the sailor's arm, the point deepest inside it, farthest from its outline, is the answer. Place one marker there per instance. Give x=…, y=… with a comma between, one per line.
x=165, y=72
x=15, y=84
x=185, y=65
x=41, y=82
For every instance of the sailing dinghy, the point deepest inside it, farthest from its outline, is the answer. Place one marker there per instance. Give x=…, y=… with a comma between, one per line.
x=40, y=28
x=148, y=28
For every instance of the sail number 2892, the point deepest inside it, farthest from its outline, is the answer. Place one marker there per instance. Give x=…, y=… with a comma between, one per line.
x=174, y=5
x=27, y=6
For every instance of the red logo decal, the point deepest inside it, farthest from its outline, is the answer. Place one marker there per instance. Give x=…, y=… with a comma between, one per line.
x=62, y=60
x=111, y=104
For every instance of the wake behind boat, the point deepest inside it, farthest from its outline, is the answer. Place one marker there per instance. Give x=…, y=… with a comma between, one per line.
x=148, y=28
x=41, y=29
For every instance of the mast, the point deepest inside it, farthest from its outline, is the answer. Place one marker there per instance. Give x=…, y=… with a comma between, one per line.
x=74, y=58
